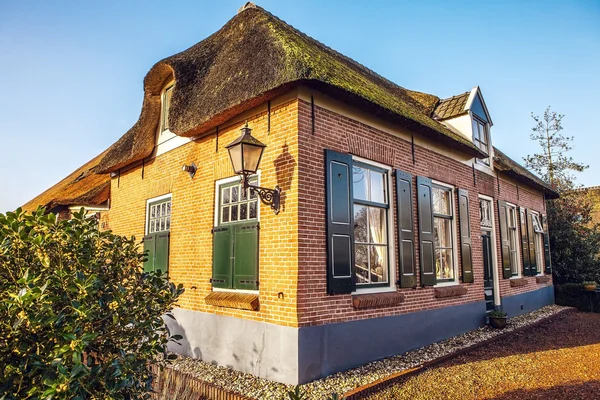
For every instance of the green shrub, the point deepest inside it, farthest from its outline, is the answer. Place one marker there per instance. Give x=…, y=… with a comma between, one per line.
x=573, y=295
x=78, y=317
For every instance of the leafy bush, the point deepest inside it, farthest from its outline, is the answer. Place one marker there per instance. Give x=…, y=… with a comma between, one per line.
x=573, y=295
x=78, y=317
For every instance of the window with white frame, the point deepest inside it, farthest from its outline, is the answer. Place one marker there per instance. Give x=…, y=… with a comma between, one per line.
x=237, y=204
x=165, y=105
x=443, y=218
x=371, y=205
x=159, y=216
x=511, y=216
x=481, y=138
x=539, y=242
x=156, y=240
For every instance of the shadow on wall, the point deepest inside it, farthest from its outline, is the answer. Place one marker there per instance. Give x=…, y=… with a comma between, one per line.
x=285, y=166
x=183, y=346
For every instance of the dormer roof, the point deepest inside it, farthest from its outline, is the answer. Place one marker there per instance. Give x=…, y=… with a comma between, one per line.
x=461, y=104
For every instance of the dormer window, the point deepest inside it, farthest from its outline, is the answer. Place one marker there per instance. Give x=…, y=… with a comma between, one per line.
x=165, y=105
x=481, y=137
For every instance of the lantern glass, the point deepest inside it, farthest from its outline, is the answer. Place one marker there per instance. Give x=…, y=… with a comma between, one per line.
x=251, y=156
x=235, y=154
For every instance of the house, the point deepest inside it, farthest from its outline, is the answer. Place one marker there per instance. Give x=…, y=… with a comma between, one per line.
x=398, y=224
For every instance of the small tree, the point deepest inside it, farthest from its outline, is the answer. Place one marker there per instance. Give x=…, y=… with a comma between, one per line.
x=78, y=317
x=573, y=242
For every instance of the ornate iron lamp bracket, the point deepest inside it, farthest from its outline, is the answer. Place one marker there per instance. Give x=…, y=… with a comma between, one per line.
x=269, y=197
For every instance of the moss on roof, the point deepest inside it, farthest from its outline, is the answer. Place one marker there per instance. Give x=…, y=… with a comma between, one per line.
x=256, y=57
x=505, y=164
x=82, y=187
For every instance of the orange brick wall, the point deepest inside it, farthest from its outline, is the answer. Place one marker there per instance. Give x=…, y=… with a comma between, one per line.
x=338, y=132
x=193, y=203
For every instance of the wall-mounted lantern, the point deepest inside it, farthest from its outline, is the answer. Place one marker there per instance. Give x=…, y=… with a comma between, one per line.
x=190, y=169
x=245, y=153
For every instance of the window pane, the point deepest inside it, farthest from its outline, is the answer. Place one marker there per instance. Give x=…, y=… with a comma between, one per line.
x=243, y=211
x=152, y=211
x=361, y=256
x=168, y=227
x=169, y=208
x=151, y=229
x=377, y=225
x=443, y=232
x=162, y=224
x=253, y=206
x=225, y=196
x=234, y=194
x=234, y=213
x=163, y=209
x=441, y=201
x=475, y=130
x=252, y=194
x=443, y=264
x=379, y=264
x=377, y=187
x=243, y=194
x=360, y=224
x=360, y=183
x=225, y=214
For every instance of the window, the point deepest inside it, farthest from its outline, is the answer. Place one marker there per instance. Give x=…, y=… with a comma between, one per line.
x=235, y=236
x=481, y=138
x=539, y=242
x=237, y=204
x=512, y=235
x=443, y=219
x=165, y=105
x=371, y=206
x=158, y=227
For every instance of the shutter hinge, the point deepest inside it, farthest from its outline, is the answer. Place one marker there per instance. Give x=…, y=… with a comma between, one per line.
x=217, y=280
x=250, y=282
x=219, y=229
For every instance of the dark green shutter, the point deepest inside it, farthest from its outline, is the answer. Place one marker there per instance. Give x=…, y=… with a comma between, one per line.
x=245, y=254
x=406, y=233
x=426, y=234
x=340, y=223
x=524, y=241
x=466, y=254
x=149, y=244
x=161, y=252
x=531, y=235
x=547, y=257
x=222, y=257
x=504, y=239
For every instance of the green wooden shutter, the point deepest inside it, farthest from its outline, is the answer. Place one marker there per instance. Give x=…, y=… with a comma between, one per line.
x=340, y=223
x=161, y=252
x=426, y=234
x=149, y=246
x=504, y=239
x=524, y=241
x=245, y=254
x=531, y=236
x=547, y=257
x=406, y=232
x=466, y=254
x=222, y=257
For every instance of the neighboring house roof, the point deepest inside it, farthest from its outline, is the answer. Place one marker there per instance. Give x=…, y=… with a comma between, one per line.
x=452, y=107
x=82, y=187
x=510, y=167
x=252, y=59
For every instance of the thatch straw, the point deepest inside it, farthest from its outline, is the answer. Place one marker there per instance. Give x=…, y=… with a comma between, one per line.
x=252, y=59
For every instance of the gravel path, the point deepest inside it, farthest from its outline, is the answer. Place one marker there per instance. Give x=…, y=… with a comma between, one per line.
x=558, y=360
x=340, y=383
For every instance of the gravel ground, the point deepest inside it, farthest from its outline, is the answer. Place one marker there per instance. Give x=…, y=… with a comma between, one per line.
x=342, y=382
x=558, y=360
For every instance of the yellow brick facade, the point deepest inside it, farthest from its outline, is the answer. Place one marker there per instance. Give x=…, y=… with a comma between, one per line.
x=193, y=210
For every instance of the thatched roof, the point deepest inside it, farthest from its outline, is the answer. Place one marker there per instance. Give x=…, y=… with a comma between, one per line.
x=83, y=187
x=512, y=168
x=252, y=59
x=452, y=107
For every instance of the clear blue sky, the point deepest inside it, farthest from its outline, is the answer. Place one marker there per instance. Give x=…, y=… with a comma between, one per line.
x=72, y=71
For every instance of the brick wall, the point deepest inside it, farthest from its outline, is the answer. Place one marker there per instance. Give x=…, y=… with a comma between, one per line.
x=335, y=131
x=193, y=204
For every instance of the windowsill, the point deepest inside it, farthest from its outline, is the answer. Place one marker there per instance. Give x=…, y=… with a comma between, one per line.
x=479, y=166
x=518, y=282
x=243, y=301
x=385, y=289
x=235, y=291
x=541, y=279
x=450, y=291
x=374, y=300
x=446, y=284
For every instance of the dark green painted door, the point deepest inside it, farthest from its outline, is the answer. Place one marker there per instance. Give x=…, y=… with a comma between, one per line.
x=488, y=272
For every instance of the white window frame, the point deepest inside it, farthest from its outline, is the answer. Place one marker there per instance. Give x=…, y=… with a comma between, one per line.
x=163, y=95
x=455, y=281
x=496, y=274
x=226, y=181
x=216, y=212
x=518, y=239
x=391, y=287
x=539, y=246
x=152, y=200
